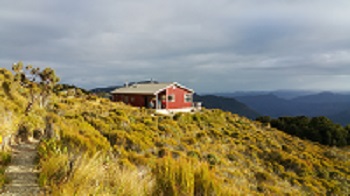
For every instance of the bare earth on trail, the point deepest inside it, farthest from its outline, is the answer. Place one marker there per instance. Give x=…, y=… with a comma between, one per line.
x=21, y=172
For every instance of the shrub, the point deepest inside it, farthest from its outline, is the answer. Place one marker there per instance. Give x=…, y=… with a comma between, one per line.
x=53, y=170
x=5, y=158
x=212, y=159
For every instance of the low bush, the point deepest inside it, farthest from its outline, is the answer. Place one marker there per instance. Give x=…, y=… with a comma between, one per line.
x=184, y=177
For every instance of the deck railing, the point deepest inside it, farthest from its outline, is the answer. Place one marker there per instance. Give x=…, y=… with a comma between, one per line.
x=197, y=106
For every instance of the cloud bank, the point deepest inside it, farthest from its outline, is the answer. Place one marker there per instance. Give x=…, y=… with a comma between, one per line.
x=210, y=46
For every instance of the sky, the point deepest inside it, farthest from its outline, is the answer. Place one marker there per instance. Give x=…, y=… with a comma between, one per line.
x=209, y=46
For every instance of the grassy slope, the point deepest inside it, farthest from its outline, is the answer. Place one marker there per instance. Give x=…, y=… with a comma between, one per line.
x=243, y=155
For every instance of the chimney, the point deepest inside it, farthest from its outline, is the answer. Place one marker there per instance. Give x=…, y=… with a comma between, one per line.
x=126, y=84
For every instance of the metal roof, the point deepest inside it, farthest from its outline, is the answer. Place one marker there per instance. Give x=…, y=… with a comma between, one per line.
x=146, y=89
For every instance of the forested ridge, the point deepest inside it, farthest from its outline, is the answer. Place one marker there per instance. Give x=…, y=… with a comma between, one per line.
x=319, y=129
x=99, y=147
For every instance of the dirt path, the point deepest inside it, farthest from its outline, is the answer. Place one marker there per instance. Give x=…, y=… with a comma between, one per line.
x=21, y=172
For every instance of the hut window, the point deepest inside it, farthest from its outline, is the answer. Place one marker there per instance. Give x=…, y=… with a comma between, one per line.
x=188, y=98
x=171, y=98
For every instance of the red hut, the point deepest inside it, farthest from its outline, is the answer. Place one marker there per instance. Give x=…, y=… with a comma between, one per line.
x=161, y=96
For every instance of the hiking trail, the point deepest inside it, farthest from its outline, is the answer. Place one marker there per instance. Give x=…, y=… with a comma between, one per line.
x=22, y=172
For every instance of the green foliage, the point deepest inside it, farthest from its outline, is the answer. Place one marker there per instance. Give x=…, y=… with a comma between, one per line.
x=53, y=161
x=318, y=129
x=38, y=83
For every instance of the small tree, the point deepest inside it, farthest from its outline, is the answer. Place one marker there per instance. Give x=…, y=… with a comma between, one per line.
x=40, y=83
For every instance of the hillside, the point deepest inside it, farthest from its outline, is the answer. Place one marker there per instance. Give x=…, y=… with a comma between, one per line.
x=270, y=105
x=327, y=104
x=111, y=88
x=104, y=89
x=122, y=150
x=342, y=117
x=284, y=94
x=324, y=97
x=226, y=104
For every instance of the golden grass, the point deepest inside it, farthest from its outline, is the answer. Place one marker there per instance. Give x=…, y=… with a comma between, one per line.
x=97, y=176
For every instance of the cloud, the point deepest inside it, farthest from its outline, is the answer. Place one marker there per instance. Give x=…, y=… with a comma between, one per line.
x=208, y=45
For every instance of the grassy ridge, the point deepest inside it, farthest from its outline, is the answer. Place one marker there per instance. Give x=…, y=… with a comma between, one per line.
x=113, y=149
x=242, y=154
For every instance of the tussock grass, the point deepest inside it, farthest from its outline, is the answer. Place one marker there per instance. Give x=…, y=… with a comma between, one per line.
x=97, y=176
x=186, y=177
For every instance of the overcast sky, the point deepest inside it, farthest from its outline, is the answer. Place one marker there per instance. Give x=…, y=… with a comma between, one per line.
x=210, y=46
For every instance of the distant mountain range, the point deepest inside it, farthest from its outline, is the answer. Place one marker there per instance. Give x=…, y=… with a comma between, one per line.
x=285, y=94
x=227, y=104
x=324, y=97
x=335, y=106
x=104, y=89
x=111, y=88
